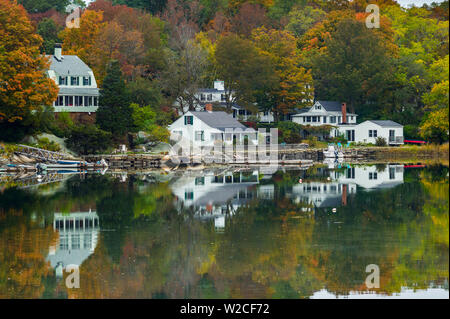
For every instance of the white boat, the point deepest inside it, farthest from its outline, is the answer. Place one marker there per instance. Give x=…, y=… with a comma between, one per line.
x=333, y=152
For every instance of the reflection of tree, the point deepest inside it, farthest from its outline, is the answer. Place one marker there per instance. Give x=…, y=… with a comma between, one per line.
x=23, y=248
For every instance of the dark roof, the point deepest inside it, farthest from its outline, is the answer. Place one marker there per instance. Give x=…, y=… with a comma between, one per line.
x=387, y=123
x=69, y=65
x=219, y=120
x=331, y=106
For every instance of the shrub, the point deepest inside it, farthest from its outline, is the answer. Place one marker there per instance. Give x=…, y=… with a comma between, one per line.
x=380, y=141
x=48, y=145
x=89, y=139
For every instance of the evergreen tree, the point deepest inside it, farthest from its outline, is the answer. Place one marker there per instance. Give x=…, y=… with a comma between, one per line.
x=114, y=113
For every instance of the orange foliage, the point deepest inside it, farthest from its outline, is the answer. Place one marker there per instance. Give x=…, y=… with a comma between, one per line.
x=24, y=86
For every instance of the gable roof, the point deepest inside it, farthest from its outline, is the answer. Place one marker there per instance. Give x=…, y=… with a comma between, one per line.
x=69, y=65
x=218, y=120
x=331, y=106
x=387, y=123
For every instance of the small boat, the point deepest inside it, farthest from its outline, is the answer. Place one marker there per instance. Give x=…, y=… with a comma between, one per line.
x=332, y=152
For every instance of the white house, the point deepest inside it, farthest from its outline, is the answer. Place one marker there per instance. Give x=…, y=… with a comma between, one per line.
x=325, y=112
x=345, y=123
x=78, y=90
x=206, y=128
x=218, y=96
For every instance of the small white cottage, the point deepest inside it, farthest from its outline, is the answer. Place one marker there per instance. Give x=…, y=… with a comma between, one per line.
x=207, y=128
x=369, y=131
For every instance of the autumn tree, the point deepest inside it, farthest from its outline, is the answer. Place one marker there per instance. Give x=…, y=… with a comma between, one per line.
x=246, y=73
x=24, y=86
x=183, y=75
x=294, y=87
x=249, y=17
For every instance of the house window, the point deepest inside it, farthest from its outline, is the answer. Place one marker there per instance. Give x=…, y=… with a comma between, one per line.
x=59, y=101
x=373, y=175
x=332, y=119
x=222, y=97
x=351, y=118
x=188, y=120
x=308, y=119
x=202, y=97
x=241, y=112
x=88, y=101
x=188, y=195
x=324, y=119
x=339, y=119
x=86, y=80
x=391, y=172
x=78, y=100
x=314, y=118
x=209, y=97
x=373, y=133
x=318, y=107
x=266, y=113
x=74, y=80
x=199, y=135
x=200, y=180
x=62, y=80
x=69, y=100
x=95, y=101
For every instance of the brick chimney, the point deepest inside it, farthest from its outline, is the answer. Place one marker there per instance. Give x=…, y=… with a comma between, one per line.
x=209, y=107
x=344, y=112
x=58, y=51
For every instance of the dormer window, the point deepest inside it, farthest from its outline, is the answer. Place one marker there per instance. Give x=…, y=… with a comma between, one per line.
x=86, y=80
x=318, y=107
x=62, y=80
x=74, y=80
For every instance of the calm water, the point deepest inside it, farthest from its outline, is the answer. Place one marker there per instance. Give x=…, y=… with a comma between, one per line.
x=223, y=234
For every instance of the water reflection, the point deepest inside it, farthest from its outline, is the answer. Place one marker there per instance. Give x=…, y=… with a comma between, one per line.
x=229, y=234
x=78, y=236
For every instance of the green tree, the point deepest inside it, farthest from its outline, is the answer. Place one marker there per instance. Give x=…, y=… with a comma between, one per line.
x=35, y=6
x=48, y=30
x=246, y=73
x=114, y=112
x=302, y=19
x=153, y=6
x=355, y=66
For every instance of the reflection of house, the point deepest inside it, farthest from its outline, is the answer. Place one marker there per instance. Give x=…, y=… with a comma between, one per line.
x=78, y=233
x=213, y=195
x=373, y=177
x=344, y=183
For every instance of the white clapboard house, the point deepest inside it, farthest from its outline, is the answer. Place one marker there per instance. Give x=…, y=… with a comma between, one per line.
x=78, y=91
x=207, y=128
x=345, y=123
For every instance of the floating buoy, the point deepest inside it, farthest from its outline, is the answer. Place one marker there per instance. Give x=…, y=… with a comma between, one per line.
x=300, y=181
